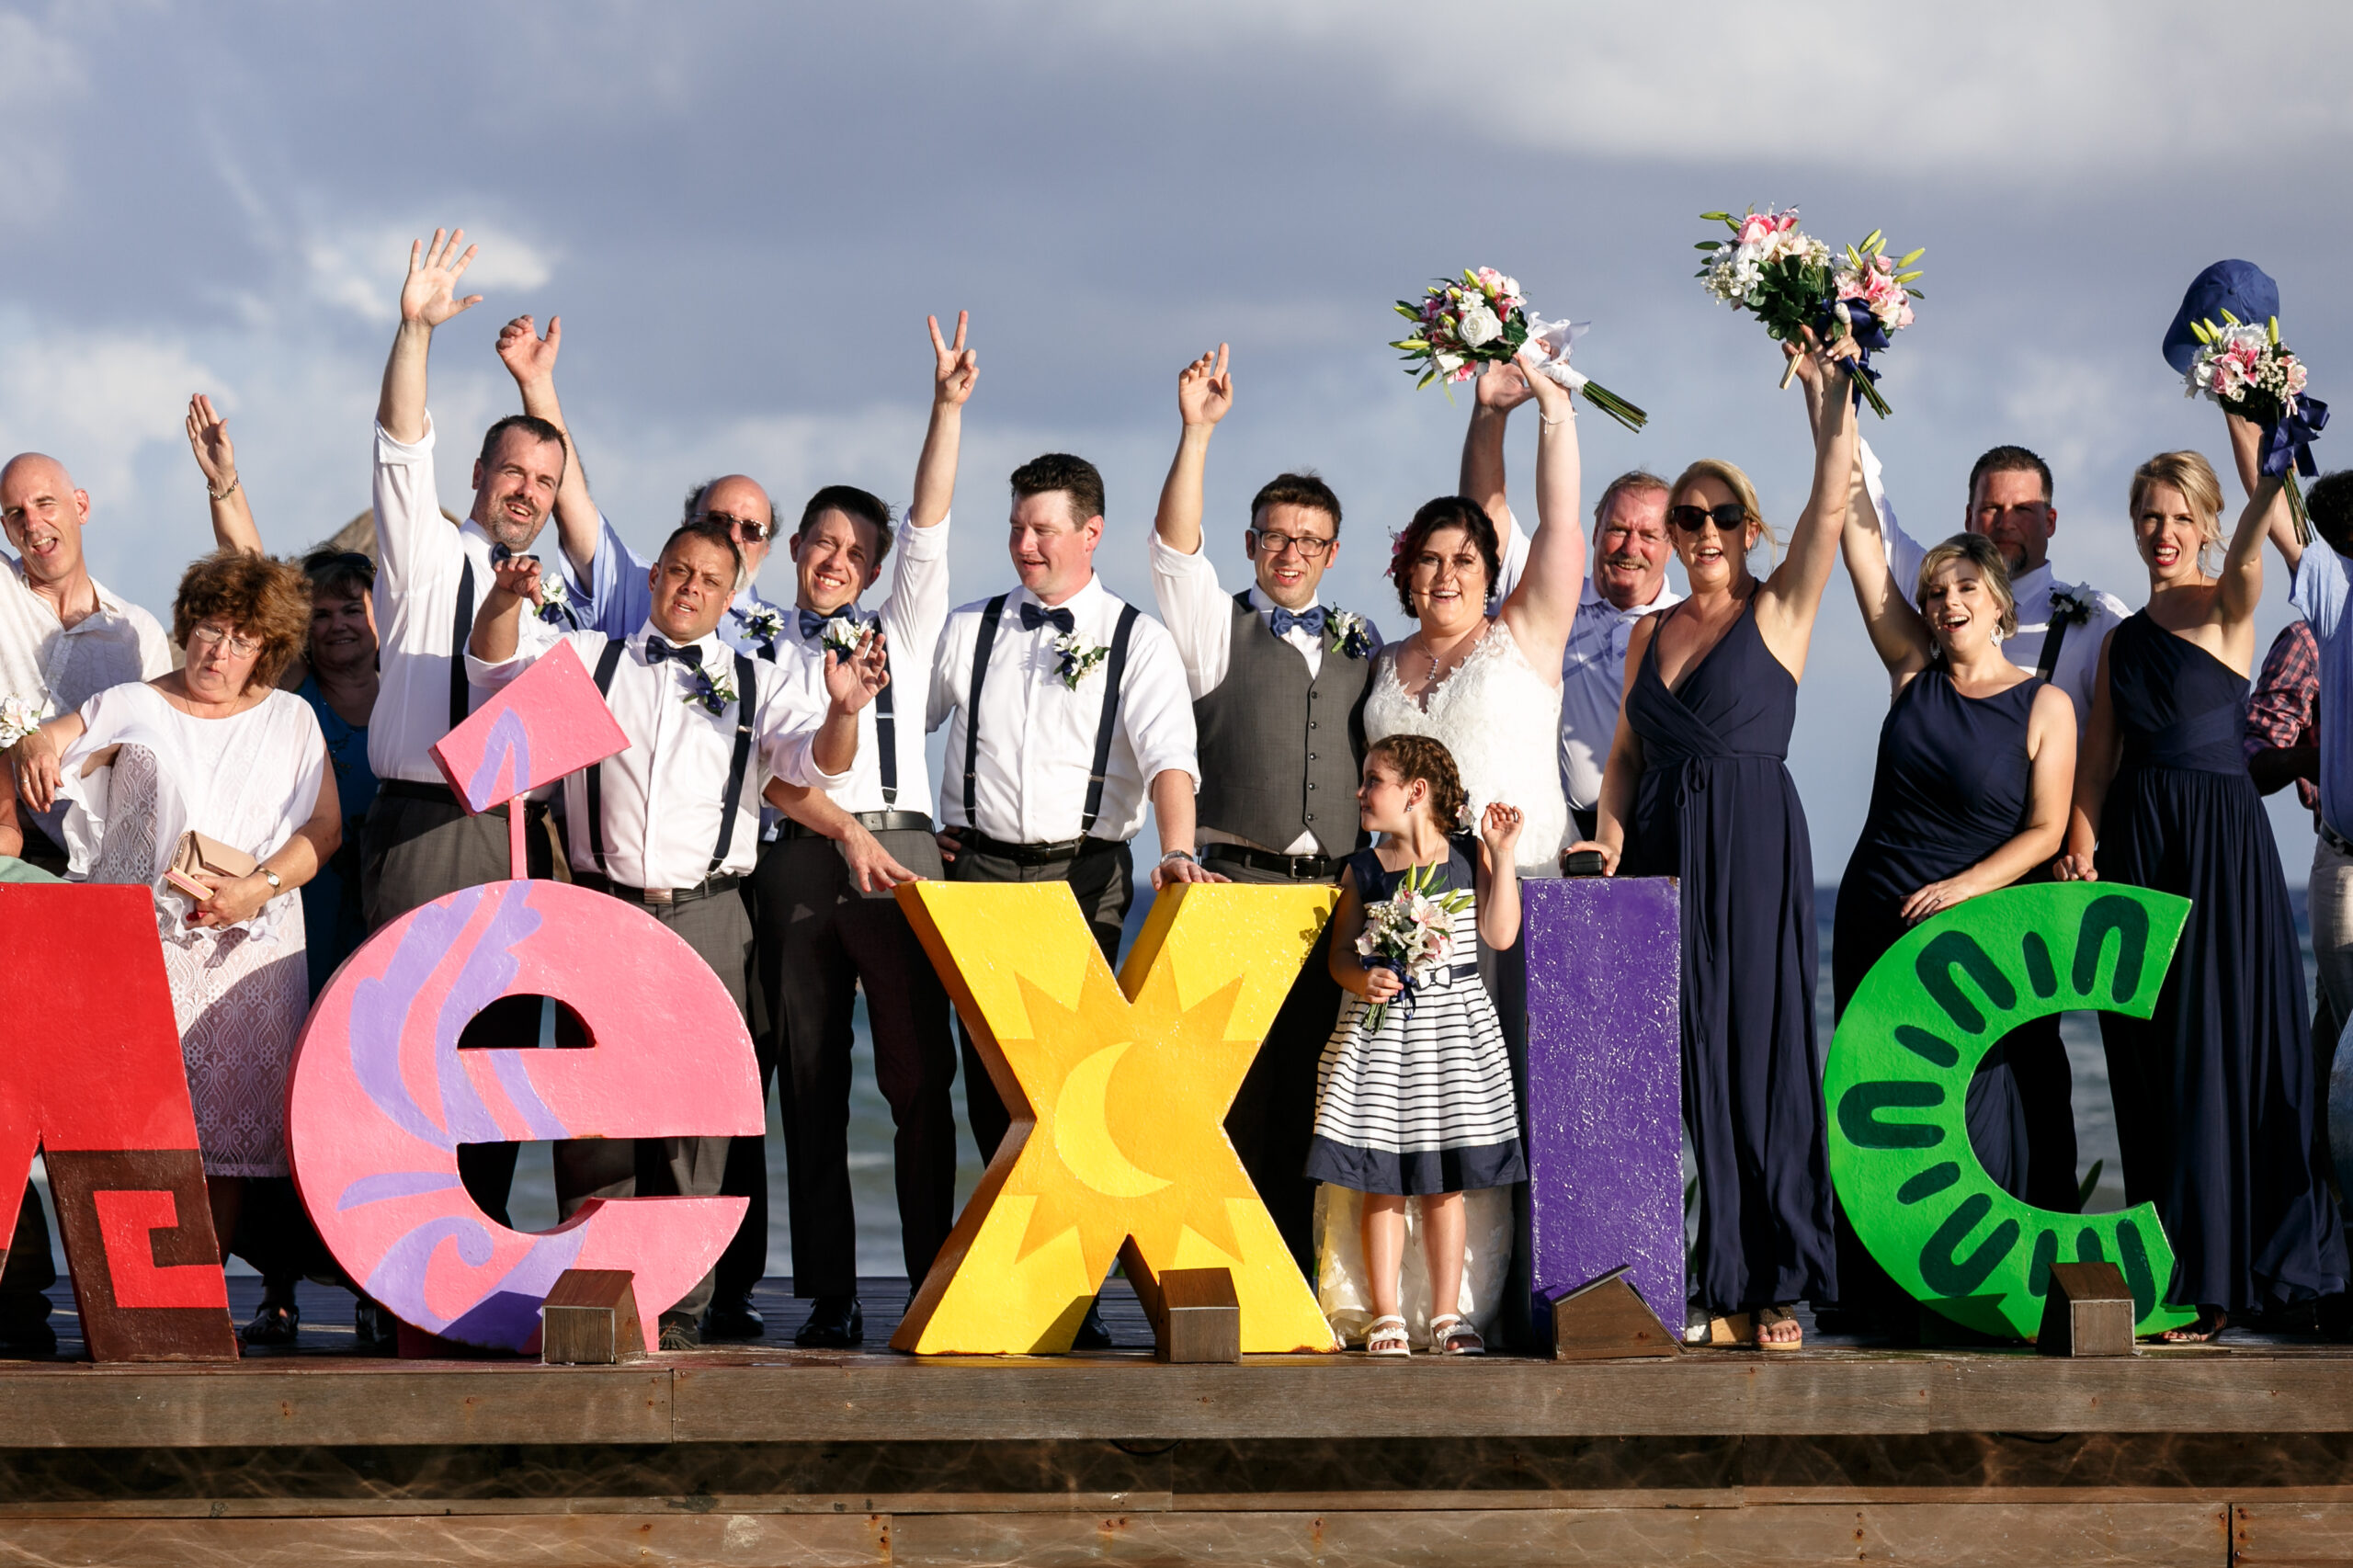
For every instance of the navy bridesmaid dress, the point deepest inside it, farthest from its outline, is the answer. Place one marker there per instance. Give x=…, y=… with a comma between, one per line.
x=1954, y=784
x=2214, y=1093
x=1716, y=807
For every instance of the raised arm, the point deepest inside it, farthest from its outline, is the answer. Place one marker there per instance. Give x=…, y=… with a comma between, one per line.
x=2240, y=588
x=1787, y=601
x=1204, y=396
x=428, y=298
x=530, y=359
x=208, y=438
x=1898, y=634
x=952, y=382
x=1544, y=606
x=1495, y=394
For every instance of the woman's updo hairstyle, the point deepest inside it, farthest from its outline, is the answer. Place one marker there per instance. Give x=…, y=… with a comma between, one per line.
x=1418, y=758
x=1446, y=512
x=1978, y=551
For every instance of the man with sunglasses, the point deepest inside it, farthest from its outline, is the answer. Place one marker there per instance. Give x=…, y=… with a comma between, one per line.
x=2062, y=627
x=1269, y=668
x=1631, y=550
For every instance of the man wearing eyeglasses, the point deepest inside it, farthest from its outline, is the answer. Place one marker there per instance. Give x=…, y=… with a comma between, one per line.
x=1631, y=550
x=2062, y=627
x=1279, y=681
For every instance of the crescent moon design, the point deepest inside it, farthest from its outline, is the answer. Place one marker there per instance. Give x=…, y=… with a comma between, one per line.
x=1083, y=1133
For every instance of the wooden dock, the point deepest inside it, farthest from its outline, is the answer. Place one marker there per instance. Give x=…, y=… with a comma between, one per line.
x=762, y=1456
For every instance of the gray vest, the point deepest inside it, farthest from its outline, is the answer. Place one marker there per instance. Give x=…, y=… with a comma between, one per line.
x=1280, y=753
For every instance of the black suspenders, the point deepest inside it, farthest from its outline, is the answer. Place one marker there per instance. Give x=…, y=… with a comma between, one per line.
x=886, y=746
x=2051, y=641
x=1105, y=728
x=608, y=663
x=460, y=631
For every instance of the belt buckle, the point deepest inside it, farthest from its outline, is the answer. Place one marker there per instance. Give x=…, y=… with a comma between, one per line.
x=659, y=896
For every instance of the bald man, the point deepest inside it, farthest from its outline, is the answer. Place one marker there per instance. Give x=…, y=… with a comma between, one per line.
x=63, y=639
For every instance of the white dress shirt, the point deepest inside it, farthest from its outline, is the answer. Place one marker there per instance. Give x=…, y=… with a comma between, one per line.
x=912, y=615
x=1037, y=736
x=422, y=560
x=1199, y=616
x=662, y=797
x=1593, y=669
x=2078, y=668
x=58, y=667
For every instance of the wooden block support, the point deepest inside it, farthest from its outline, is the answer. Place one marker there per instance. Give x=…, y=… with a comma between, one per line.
x=590, y=1319
x=2087, y=1312
x=1607, y=1320
x=1199, y=1318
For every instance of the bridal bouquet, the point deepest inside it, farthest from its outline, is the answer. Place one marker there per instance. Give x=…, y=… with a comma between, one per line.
x=1410, y=934
x=2250, y=372
x=1789, y=281
x=1484, y=318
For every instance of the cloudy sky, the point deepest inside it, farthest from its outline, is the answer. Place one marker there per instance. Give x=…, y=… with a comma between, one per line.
x=744, y=212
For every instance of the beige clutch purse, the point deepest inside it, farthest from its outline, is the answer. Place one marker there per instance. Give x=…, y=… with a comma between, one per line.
x=198, y=853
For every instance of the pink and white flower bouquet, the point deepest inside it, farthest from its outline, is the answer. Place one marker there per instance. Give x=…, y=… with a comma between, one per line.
x=2250, y=372
x=1789, y=281
x=1411, y=933
x=1484, y=318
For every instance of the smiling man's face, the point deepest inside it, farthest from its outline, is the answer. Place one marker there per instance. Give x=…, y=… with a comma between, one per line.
x=43, y=514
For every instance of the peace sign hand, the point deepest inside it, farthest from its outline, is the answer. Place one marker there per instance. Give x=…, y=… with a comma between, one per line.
x=960, y=367
x=1205, y=390
x=428, y=296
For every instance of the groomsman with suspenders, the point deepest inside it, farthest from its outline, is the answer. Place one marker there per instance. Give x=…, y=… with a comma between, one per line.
x=1279, y=681
x=672, y=824
x=1067, y=713
x=419, y=844
x=826, y=919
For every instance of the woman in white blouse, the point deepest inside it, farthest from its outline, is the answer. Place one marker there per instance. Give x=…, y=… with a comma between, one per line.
x=215, y=749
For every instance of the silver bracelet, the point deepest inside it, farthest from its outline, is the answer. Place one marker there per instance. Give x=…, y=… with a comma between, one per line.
x=227, y=491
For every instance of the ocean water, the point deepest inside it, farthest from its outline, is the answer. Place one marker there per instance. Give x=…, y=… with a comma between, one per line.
x=533, y=1205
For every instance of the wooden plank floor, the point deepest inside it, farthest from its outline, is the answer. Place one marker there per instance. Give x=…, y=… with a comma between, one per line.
x=764, y=1455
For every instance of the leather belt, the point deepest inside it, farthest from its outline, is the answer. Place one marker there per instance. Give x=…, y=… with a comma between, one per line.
x=1037, y=854
x=442, y=795
x=1298, y=867
x=872, y=821
x=710, y=887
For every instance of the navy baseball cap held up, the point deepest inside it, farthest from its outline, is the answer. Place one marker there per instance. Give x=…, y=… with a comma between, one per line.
x=2239, y=286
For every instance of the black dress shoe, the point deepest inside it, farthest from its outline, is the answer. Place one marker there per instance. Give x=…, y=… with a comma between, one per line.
x=1092, y=1334
x=836, y=1323
x=373, y=1327
x=725, y=1320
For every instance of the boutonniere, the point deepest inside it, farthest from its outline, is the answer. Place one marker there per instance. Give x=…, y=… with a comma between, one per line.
x=1345, y=635
x=1078, y=658
x=765, y=625
x=19, y=717
x=2070, y=607
x=555, y=599
x=713, y=692
x=843, y=633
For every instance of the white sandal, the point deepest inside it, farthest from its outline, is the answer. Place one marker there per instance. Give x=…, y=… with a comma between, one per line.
x=1453, y=1336
x=1386, y=1336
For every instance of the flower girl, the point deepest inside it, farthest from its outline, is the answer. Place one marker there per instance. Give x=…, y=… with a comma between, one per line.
x=1413, y=1094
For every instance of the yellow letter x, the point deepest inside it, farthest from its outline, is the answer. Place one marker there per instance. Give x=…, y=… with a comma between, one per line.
x=1118, y=1099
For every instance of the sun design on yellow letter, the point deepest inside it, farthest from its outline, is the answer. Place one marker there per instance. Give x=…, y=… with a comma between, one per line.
x=1118, y=1091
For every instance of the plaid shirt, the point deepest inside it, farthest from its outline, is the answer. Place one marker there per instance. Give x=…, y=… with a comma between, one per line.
x=2284, y=707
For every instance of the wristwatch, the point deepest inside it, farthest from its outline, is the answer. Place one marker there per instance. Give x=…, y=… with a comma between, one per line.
x=1184, y=855
x=271, y=878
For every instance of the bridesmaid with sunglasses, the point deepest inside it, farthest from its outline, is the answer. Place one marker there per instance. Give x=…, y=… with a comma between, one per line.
x=1696, y=787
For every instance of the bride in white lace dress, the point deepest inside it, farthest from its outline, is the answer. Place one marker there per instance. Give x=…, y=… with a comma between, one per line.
x=215, y=748
x=1488, y=688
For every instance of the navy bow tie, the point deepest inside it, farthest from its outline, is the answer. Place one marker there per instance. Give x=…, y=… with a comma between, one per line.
x=1033, y=617
x=812, y=625
x=499, y=555
x=657, y=649
x=1283, y=620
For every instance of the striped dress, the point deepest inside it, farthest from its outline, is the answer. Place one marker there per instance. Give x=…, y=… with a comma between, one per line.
x=1422, y=1104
